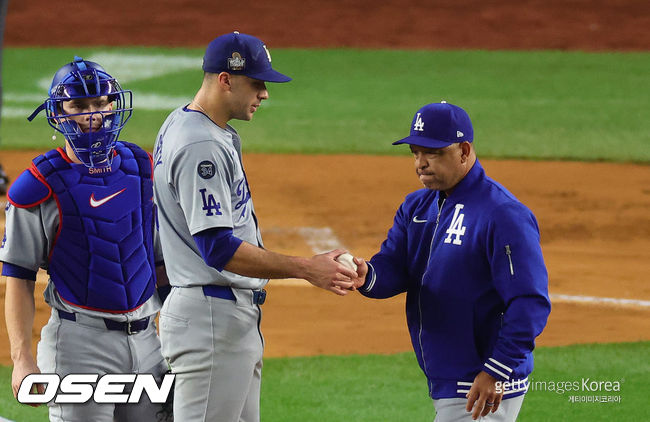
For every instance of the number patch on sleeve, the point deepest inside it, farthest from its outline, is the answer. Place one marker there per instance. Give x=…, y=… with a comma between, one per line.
x=206, y=169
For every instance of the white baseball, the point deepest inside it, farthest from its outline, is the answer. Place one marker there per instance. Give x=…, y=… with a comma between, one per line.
x=347, y=260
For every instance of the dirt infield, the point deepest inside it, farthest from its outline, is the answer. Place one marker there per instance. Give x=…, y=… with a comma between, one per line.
x=594, y=217
x=595, y=235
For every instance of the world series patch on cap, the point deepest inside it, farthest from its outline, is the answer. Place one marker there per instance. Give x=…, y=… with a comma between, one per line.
x=241, y=54
x=439, y=125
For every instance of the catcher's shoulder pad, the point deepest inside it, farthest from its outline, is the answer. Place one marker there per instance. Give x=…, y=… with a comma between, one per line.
x=28, y=190
x=142, y=157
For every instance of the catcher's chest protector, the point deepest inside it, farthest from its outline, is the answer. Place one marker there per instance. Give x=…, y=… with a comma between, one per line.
x=102, y=257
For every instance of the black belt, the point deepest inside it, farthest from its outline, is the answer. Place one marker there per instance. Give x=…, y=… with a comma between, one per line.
x=131, y=327
x=225, y=292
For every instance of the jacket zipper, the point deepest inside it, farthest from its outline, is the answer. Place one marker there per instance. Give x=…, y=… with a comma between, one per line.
x=435, y=230
x=509, y=253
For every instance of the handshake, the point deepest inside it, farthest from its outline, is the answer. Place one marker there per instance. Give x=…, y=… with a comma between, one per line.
x=337, y=271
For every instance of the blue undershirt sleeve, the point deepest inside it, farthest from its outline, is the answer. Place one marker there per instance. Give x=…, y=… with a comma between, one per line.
x=11, y=270
x=217, y=246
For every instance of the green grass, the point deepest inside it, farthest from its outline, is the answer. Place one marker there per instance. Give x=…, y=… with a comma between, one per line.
x=626, y=363
x=392, y=388
x=345, y=388
x=10, y=408
x=535, y=105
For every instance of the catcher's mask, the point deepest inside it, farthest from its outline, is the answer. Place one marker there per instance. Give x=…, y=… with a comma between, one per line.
x=85, y=79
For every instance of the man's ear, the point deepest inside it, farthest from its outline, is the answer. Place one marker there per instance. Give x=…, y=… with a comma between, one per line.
x=225, y=81
x=465, y=150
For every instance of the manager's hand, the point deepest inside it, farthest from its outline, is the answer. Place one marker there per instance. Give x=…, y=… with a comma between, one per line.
x=483, y=396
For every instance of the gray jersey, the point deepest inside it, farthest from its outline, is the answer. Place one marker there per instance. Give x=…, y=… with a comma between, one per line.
x=199, y=183
x=29, y=238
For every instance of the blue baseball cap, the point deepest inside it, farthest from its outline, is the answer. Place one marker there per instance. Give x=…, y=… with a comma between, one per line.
x=241, y=54
x=439, y=125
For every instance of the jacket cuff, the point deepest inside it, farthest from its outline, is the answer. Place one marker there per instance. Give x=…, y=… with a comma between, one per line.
x=497, y=369
x=371, y=277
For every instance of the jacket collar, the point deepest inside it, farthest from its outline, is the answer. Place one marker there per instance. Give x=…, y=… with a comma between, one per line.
x=468, y=184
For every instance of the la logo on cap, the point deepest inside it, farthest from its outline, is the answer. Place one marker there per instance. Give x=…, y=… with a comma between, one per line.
x=419, y=123
x=459, y=134
x=268, y=53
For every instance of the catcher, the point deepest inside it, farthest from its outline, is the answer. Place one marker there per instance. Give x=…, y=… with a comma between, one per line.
x=85, y=214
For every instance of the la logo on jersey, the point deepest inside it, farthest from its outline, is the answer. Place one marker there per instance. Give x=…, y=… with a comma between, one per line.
x=210, y=205
x=456, y=228
x=419, y=123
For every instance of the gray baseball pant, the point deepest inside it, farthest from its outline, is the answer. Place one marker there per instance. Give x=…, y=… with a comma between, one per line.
x=85, y=346
x=214, y=346
x=453, y=410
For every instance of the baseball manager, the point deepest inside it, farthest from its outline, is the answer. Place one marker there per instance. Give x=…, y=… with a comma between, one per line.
x=467, y=254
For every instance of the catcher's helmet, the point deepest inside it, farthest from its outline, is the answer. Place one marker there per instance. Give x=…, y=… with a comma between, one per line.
x=86, y=79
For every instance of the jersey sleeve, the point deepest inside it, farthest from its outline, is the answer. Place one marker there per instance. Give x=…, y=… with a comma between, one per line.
x=387, y=272
x=29, y=233
x=202, y=174
x=217, y=246
x=521, y=279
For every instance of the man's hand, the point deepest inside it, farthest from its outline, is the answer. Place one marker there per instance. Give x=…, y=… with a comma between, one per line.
x=19, y=317
x=362, y=271
x=483, y=396
x=22, y=368
x=326, y=273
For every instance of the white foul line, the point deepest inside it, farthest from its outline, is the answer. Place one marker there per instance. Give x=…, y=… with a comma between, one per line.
x=601, y=300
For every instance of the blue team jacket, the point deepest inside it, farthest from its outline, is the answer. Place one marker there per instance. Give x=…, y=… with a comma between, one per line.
x=476, y=283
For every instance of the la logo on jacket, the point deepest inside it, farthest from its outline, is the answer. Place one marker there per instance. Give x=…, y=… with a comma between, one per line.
x=456, y=227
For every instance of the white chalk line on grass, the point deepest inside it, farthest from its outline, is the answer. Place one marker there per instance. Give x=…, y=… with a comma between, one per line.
x=595, y=300
x=126, y=68
x=141, y=101
x=5, y=420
